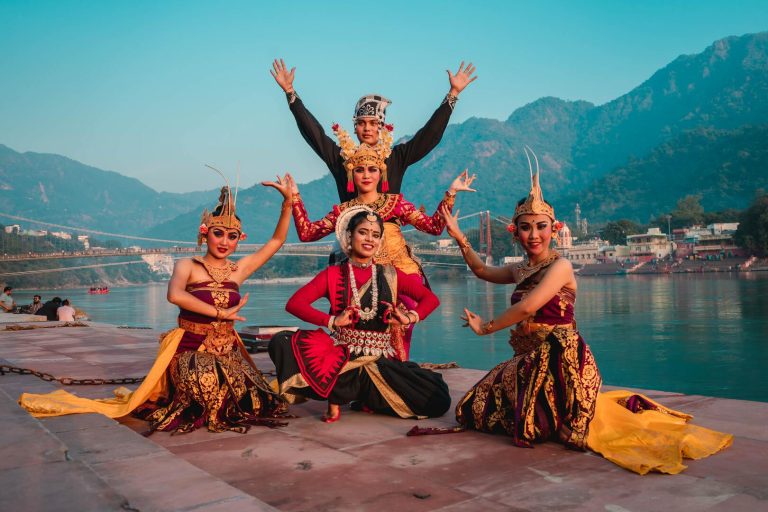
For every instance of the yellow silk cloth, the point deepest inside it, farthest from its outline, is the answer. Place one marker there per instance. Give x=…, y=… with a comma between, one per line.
x=650, y=440
x=394, y=250
x=153, y=387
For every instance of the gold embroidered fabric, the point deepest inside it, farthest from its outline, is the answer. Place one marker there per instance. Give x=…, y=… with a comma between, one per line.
x=219, y=336
x=218, y=274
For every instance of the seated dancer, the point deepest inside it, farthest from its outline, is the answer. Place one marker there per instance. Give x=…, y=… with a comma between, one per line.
x=369, y=118
x=356, y=361
x=365, y=167
x=550, y=389
x=202, y=374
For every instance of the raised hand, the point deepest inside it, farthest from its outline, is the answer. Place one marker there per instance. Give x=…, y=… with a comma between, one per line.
x=451, y=222
x=461, y=79
x=231, y=313
x=282, y=76
x=283, y=185
x=473, y=321
x=462, y=183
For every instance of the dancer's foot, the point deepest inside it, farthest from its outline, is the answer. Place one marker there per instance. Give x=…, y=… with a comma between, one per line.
x=333, y=414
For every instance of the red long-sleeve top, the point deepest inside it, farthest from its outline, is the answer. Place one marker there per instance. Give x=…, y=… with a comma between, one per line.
x=300, y=303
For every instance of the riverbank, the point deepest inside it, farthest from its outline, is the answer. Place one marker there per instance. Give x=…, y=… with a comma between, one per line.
x=364, y=462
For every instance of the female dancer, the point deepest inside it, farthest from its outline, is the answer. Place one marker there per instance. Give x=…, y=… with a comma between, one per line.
x=212, y=379
x=550, y=388
x=356, y=361
x=366, y=167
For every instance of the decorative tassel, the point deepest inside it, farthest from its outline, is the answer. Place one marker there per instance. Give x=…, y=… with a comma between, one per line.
x=385, y=186
x=350, y=187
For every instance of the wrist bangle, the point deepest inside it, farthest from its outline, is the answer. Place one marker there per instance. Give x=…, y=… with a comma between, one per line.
x=449, y=194
x=287, y=204
x=218, y=314
x=451, y=100
x=291, y=96
x=331, y=320
x=464, y=243
x=487, y=327
x=415, y=315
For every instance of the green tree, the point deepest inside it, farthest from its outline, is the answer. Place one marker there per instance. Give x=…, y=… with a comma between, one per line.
x=753, y=226
x=616, y=232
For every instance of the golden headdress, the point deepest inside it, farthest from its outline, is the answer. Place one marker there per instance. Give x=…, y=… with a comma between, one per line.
x=534, y=204
x=355, y=155
x=223, y=215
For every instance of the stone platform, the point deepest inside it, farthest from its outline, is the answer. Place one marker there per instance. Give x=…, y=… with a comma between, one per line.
x=363, y=462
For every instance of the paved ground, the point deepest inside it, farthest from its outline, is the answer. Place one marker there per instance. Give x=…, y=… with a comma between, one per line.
x=363, y=462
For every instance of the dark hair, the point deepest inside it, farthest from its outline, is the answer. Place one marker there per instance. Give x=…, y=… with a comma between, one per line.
x=7, y=289
x=360, y=217
x=56, y=300
x=37, y=297
x=66, y=302
x=218, y=210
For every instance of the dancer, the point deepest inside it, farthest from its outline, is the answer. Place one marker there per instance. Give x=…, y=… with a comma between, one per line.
x=202, y=374
x=356, y=361
x=366, y=166
x=369, y=119
x=550, y=389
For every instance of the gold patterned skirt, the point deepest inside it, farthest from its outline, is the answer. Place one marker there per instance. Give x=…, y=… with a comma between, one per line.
x=222, y=390
x=548, y=390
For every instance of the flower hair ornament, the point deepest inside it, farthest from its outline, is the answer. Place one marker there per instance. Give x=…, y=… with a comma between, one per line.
x=534, y=204
x=342, y=225
x=355, y=155
x=225, y=217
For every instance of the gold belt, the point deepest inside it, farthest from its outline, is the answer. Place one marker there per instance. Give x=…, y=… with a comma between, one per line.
x=528, y=336
x=219, y=336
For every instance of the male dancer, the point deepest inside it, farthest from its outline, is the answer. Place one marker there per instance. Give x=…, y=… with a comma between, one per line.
x=369, y=119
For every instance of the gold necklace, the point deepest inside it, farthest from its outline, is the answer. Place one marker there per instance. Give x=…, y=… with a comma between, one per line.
x=526, y=270
x=219, y=274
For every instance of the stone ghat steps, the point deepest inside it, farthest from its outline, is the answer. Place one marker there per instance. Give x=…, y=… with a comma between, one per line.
x=88, y=462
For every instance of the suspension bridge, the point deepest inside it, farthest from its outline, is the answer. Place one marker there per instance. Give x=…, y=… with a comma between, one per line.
x=432, y=251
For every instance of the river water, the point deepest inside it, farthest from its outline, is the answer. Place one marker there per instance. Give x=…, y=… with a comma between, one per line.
x=696, y=334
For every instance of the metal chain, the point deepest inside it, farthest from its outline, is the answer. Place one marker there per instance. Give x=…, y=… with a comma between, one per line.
x=67, y=381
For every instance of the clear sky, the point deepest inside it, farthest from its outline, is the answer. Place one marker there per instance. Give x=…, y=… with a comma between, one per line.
x=156, y=89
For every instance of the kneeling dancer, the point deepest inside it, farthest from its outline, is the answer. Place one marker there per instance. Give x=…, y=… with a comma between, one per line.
x=357, y=361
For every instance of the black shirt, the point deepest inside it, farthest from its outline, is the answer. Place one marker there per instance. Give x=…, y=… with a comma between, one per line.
x=402, y=155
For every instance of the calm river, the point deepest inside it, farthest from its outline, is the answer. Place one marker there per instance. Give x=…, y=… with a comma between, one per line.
x=702, y=334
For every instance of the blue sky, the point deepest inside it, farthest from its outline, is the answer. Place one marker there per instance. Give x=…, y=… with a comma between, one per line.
x=156, y=89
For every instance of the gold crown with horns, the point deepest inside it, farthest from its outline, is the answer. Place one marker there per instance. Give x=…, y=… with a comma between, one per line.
x=355, y=155
x=223, y=215
x=534, y=204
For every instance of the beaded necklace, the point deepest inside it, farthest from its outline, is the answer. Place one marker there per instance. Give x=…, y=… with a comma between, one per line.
x=368, y=313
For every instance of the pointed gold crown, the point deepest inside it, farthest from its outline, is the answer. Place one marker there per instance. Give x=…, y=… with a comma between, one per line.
x=224, y=213
x=534, y=204
x=355, y=155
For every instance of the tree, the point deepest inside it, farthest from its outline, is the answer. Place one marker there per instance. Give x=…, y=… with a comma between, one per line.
x=616, y=232
x=752, y=233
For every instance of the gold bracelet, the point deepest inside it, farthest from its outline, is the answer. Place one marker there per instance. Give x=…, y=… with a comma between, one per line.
x=486, y=329
x=218, y=313
x=464, y=243
x=287, y=205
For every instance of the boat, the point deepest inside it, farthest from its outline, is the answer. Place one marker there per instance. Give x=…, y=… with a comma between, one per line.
x=100, y=290
x=256, y=337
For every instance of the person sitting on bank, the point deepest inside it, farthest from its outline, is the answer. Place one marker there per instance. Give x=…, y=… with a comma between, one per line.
x=32, y=309
x=65, y=313
x=50, y=309
x=7, y=304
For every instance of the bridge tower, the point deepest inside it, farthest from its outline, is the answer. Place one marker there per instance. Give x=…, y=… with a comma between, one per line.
x=485, y=245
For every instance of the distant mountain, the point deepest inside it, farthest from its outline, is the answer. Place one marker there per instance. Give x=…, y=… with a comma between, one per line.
x=725, y=167
x=56, y=189
x=696, y=126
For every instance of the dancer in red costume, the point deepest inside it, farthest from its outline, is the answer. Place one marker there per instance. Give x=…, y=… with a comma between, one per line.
x=357, y=362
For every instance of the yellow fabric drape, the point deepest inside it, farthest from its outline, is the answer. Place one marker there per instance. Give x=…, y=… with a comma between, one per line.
x=649, y=440
x=154, y=386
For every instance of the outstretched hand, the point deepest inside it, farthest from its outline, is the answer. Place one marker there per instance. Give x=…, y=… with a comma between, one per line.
x=473, y=321
x=462, y=182
x=461, y=79
x=283, y=185
x=451, y=222
x=231, y=313
x=282, y=76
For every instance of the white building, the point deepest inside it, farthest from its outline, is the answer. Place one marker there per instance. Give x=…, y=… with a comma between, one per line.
x=13, y=229
x=585, y=253
x=62, y=234
x=649, y=246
